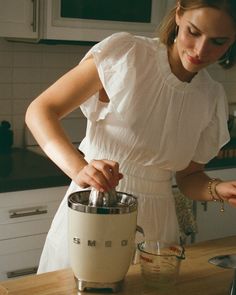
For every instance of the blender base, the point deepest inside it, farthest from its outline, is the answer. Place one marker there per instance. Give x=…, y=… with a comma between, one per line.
x=84, y=286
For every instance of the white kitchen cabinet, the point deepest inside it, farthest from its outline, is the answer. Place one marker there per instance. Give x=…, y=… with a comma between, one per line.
x=25, y=218
x=211, y=222
x=19, y=19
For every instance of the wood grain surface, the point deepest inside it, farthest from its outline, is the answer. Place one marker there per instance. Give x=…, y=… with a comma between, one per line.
x=197, y=276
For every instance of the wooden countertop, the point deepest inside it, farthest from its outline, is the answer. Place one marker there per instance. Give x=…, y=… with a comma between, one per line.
x=197, y=276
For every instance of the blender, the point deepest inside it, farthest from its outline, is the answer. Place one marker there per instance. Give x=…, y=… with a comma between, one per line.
x=102, y=228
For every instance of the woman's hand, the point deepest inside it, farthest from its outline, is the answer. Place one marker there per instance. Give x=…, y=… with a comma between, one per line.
x=227, y=191
x=103, y=175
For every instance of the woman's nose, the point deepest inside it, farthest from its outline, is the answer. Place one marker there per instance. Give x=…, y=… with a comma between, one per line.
x=202, y=48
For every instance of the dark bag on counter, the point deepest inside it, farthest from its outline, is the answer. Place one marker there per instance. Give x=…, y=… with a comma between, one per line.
x=6, y=137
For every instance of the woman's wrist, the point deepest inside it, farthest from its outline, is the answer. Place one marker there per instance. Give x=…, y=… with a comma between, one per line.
x=212, y=190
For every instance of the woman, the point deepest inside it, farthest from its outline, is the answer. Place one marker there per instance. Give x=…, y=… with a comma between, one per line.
x=152, y=111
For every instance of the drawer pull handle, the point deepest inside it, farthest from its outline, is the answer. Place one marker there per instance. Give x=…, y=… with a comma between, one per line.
x=27, y=212
x=34, y=23
x=21, y=272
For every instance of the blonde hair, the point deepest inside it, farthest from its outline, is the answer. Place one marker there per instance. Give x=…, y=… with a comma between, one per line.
x=168, y=28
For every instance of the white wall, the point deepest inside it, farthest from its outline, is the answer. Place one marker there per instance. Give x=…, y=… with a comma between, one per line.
x=27, y=69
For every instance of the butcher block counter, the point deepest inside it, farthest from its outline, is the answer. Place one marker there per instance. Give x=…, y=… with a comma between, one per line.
x=197, y=276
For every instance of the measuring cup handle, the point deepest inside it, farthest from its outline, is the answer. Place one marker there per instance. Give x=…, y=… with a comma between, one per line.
x=135, y=259
x=140, y=229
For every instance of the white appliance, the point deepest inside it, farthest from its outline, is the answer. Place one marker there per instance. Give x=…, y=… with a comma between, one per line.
x=101, y=240
x=88, y=20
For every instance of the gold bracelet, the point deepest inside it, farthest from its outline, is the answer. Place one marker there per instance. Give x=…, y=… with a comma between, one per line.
x=221, y=200
x=213, y=193
x=211, y=189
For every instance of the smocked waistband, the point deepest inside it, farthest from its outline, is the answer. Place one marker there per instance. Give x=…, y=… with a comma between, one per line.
x=144, y=179
x=141, y=186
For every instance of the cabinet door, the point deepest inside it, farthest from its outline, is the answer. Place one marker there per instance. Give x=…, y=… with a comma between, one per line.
x=19, y=18
x=213, y=224
x=25, y=218
x=20, y=256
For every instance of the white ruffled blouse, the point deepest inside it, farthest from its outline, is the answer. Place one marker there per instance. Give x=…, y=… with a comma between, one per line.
x=152, y=118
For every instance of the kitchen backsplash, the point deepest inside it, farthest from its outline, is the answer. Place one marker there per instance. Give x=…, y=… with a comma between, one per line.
x=27, y=69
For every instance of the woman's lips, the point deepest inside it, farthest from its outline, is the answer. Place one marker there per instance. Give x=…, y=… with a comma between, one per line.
x=194, y=60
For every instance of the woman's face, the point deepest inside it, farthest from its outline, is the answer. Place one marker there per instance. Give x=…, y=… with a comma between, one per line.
x=205, y=34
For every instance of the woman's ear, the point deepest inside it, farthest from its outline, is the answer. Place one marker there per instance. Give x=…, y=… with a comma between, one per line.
x=177, y=14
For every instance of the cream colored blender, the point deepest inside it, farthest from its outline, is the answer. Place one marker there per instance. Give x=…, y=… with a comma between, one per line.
x=102, y=231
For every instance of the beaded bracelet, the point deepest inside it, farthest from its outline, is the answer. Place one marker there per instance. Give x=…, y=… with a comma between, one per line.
x=213, y=193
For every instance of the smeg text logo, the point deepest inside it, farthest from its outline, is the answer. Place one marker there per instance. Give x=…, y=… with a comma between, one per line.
x=93, y=243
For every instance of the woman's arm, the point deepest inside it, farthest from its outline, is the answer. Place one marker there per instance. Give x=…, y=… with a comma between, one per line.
x=194, y=183
x=43, y=119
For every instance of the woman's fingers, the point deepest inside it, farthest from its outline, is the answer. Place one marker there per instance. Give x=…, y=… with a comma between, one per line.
x=103, y=175
x=232, y=202
x=227, y=190
x=111, y=172
x=95, y=178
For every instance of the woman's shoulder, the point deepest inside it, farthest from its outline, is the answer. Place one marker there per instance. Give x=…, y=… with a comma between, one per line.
x=125, y=47
x=129, y=36
x=213, y=85
x=119, y=36
x=121, y=39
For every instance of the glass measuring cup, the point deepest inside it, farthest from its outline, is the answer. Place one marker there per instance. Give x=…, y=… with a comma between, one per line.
x=160, y=263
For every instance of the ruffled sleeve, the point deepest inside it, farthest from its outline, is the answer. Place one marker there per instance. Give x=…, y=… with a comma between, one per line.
x=114, y=58
x=216, y=134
